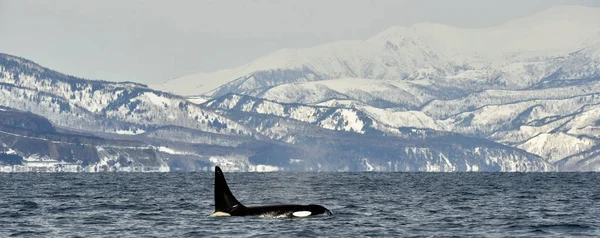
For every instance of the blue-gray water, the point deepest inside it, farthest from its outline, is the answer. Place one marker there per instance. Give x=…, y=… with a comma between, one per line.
x=365, y=204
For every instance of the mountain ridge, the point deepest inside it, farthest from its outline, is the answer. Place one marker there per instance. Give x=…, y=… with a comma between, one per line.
x=166, y=132
x=429, y=58
x=429, y=97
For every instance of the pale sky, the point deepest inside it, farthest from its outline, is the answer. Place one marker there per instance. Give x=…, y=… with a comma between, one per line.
x=154, y=40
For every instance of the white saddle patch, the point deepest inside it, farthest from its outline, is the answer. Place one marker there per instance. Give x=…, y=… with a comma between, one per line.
x=301, y=214
x=220, y=214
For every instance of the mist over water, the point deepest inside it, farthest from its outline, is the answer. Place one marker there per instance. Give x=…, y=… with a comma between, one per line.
x=364, y=204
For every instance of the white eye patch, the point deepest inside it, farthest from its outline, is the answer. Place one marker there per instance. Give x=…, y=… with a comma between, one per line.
x=301, y=214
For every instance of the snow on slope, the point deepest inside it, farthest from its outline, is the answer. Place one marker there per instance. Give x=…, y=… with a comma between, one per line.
x=156, y=108
x=553, y=129
x=491, y=118
x=357, y=119
x=519, y=52
x=443, y=109
x=395, y=118
x=59, y=111
x=345, y=119
x=585, y=161
x=81, y=94
x=365, y=59
x=585, y=123
x=554, y=147
x=91, y=105
x=394, y=93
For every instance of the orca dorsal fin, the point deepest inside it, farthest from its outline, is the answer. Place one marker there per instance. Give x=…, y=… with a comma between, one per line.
x=224, y=199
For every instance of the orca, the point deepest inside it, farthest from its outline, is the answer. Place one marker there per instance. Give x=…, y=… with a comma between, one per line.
x=227, y=205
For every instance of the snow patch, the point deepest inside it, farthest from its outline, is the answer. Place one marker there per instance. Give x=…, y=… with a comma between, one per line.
x=368, y=165
x=10, y=152
x=155, y=99
x=554, y=147
x=130, y=132
x=170, y=151
x=198, y=100
x=296, y=161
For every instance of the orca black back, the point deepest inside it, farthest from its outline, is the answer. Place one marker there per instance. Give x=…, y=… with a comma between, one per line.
x=227, y=205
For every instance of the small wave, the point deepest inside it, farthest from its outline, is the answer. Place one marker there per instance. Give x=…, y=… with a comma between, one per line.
x=524, y=196
x=98, y=220
x=148, y=214
x=10, y=215
x=66, y=196
x=116, y=206
x=464, y=208
x=28, y=205
x=62, y=208
x=163, y=208
x=195, y=234
x=539, y=231
x=563, y=226
x=27, y=233
x=187, y=205
x=558, y=227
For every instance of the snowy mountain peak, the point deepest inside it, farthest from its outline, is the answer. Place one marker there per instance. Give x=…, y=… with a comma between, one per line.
x=503, y=53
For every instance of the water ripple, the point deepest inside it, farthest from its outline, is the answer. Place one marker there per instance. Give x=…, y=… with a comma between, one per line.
x=364, y=204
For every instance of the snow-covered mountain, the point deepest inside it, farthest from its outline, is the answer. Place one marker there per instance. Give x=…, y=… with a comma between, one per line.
x=63, y=122
x=516, y=54
x=360, y=119
x=522, y=96
x=531, y=83
x=85, y=104
x=34, y=141
x=334, y=133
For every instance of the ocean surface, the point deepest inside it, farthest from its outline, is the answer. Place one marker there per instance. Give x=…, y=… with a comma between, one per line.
x=364, y=204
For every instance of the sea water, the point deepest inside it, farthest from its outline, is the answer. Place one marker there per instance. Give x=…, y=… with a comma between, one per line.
x=364, y=204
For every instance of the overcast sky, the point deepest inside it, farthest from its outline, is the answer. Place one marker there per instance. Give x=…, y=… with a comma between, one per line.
x=152, y=41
